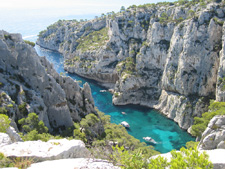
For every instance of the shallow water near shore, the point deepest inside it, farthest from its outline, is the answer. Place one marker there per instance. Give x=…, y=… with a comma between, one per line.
x=143, y=121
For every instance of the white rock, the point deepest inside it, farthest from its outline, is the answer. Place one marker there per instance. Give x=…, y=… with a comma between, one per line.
x=4, y=140
x=15, y=137
x=77, y=163
x=51, y=150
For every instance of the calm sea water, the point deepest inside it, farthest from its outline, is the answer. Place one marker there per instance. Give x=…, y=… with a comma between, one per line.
x=143, y=121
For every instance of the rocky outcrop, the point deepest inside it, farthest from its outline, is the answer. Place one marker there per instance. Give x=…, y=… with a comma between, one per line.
x=168, y=56
x=4, y=139
x=214, y=135
x=180, y=108
x=28, y=83
x=14, y=136
x=42, y=151
x=52, y=154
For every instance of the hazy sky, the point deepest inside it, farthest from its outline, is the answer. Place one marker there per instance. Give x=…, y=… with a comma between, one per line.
x=75, y=7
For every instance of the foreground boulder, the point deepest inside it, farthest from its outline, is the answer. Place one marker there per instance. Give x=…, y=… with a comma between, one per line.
x=214, y=135
x=51, y=150
x=77, y=163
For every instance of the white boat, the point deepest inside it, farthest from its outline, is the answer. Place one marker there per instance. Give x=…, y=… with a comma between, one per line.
x=123, y=112
x=102, y=90
x=111, y=91
x=149, y=139
x=125, y=124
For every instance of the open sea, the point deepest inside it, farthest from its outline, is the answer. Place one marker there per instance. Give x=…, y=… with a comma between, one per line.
x=143, y=121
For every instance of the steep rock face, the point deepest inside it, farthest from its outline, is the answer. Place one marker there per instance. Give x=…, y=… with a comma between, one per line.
x=220, y=89
x=30, y=84
x=214, y=135
x=166, y=57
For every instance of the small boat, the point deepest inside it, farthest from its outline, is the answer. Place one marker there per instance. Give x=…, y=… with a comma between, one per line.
x=125, y=124
x=102, y=90
x=111, y=91
x=123, y=112
x=149, y=139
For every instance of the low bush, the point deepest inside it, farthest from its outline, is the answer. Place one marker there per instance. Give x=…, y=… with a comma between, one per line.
x=32, y=123
x=19, y=162
x=186, y=158
x=4, y=123
x=29, y=43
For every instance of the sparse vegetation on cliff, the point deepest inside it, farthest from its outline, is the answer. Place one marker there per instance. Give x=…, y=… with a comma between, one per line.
x=29, y=43
x=93, y=41
x=127, y=66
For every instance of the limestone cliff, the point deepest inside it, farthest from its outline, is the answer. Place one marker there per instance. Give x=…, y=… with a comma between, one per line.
x=167, y=55
x=28, y=83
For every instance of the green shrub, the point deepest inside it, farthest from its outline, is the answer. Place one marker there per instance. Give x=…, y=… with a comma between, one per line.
x=10, y=105
x=116, y=94
x=22, y=163
x=41, y=34
x=3, y=110
x=32, y=123
x=79, y=135
x=192, y=144
x=5, y=162
x=19, y=162
x=4, y=123
x=163, y=18
x=127, y=159
x=186, y=158
x=191, y=13
x=35, y=129
x=23, y=109
x=34, y=135
x=87, y=124
x=130, y=22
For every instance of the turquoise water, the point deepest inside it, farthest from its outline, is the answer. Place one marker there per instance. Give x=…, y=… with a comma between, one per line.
x=143, y=121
